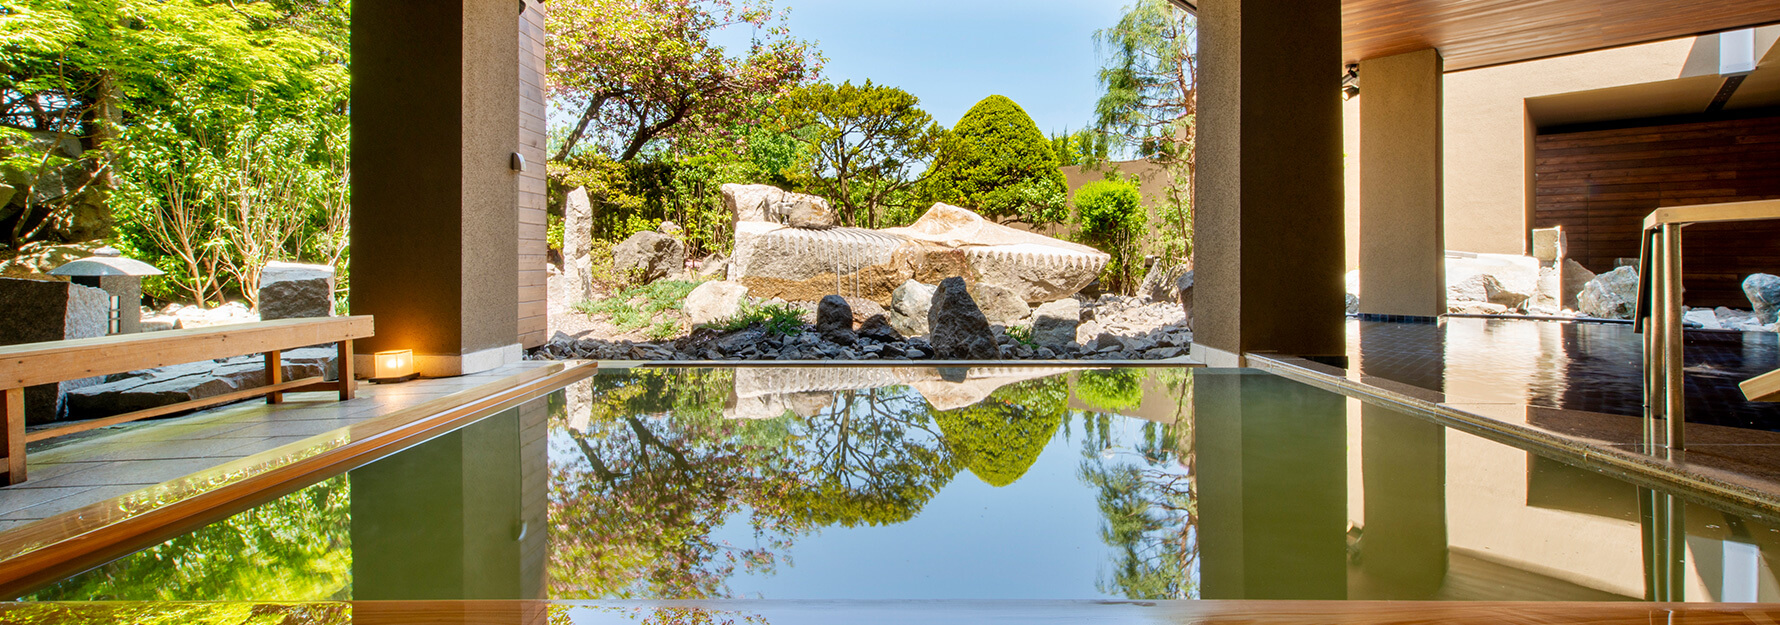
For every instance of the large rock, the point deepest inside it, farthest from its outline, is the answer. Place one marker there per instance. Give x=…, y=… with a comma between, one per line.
x=908, y=307
x=769, y=204
x=802, y=265
x=1000, y=305
x=834, y=320
x=1612, y=295
x=714, y=301
x=577, y=245
x=153, y=388
x=877, y=327
x=1763, y=291
x=36, y=311
x=1559, y=285
x=799, y=264
x=1183, y=288
x=959, y=329
x=1035, y=267
x=648, y=256
x=295, y=291
x=1055, y=323
x=1512, y=280
x=1159, y=284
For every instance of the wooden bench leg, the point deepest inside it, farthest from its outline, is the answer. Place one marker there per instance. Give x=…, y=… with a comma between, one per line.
x=348, y=379
x=12, y=433
x=274, y=375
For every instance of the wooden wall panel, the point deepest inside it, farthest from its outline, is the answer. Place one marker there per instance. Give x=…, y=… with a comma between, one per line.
x=1599, y=185
x=1479, y=33
x=532, y=248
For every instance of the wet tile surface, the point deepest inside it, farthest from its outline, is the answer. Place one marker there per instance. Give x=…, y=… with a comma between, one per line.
x=75, y=471
x=1591, y=367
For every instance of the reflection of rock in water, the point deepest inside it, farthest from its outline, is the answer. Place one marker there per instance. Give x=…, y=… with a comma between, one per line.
x=767, y=393
x=578, y=399
x=945, y=394
x=806, y=391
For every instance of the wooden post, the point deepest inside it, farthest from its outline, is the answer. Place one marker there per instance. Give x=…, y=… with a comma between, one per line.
x=274, y=375
x=12, y=436
x=348, y=383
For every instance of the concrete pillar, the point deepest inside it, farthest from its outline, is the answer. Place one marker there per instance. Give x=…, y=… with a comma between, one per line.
x=435, y=118
x=1402, y=215
x=1271, y=461
x=1269, y=198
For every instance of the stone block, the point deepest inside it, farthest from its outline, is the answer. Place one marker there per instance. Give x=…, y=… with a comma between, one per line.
x=296, y=291
x=1549, y=244
x=36, y=311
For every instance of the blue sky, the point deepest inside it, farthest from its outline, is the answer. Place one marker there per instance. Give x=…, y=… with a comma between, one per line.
x=953, y=53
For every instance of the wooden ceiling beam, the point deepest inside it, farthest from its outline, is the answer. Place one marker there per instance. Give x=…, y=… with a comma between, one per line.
x=1481, y=33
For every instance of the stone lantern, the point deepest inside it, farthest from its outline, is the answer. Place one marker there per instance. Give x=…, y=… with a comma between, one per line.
x=120, y=277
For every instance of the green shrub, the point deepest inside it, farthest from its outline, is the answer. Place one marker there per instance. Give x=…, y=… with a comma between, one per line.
x=997, y=162
x=779, y=319
x=1111, y=216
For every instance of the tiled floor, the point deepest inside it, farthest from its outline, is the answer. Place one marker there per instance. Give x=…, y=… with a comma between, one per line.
x=76, y=471
x=1591, y=367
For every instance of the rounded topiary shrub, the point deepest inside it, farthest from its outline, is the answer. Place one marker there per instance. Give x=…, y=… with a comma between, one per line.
x=998, y=163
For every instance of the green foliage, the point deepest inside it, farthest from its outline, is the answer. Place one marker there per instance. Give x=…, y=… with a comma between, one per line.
x=1110, y=390
x=997, y=162
x=218, y=129
x=1084, y=147
x=553, y=231
x=1111, y=216
x=295, y=548
x=1150, y=78
x=1023, y=334
x=875, y=457
x=999, y=438
x=862, y=146
x=639, y=307
x=775, y=319
x=638, y=72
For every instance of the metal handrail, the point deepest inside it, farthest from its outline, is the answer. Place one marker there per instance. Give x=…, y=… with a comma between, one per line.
x=1658, y=314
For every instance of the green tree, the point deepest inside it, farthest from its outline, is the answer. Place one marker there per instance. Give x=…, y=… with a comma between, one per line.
x=112, y=77
x=1149, y=104
x=864, y=145
x=1111, y=216
x=997, y=162
x=636, y=71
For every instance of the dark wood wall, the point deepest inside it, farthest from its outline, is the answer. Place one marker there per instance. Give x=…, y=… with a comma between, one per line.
x=1600, y=184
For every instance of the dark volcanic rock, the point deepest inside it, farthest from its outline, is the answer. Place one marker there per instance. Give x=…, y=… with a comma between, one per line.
x=834, y=320
x=877, y=328
x=959, y=329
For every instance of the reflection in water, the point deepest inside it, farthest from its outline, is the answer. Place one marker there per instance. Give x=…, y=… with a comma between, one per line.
x=839, y=483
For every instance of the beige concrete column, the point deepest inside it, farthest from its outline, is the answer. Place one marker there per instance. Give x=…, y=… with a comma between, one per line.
x=435, y=122
x=1402, y=215
x=1269, y=195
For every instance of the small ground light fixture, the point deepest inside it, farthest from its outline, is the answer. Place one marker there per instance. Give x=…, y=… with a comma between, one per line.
x=396, y=365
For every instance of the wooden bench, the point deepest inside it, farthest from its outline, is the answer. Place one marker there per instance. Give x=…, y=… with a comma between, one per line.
x=1764, y=387
x=31, y=364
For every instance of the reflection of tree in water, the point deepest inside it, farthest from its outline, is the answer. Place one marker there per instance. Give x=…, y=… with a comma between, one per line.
x=874, y=457
x=659, y=470
x=1146, y=496
x=999, y=438
x=295, y=548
